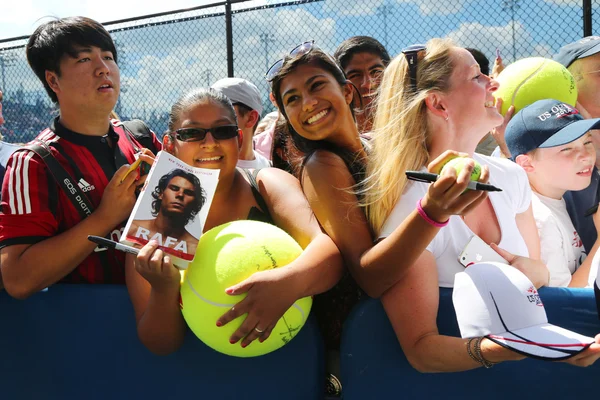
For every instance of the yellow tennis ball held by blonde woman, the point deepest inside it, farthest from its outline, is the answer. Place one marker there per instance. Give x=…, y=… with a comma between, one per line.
x=227, y=255
x=535, y=78
x=459, y=163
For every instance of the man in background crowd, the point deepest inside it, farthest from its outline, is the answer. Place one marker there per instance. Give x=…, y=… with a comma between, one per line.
x=363, y=60
x=582, y=59
x=247, y=102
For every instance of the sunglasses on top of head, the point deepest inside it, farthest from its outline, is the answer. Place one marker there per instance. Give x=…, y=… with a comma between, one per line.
x=300, y=50
x=198, y=134
x=411, y=53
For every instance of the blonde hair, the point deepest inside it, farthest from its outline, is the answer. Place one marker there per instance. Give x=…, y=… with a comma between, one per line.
x=401, y=135
x=575, y=70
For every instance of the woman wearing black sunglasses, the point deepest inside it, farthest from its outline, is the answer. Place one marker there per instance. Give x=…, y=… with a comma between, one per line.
x=203, y=133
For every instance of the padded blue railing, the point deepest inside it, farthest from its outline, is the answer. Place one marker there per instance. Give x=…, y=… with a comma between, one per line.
x=80, y=342
x=374, y=367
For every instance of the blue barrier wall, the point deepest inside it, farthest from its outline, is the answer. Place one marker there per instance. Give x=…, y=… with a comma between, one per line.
x=80, y=342
x=374, y=367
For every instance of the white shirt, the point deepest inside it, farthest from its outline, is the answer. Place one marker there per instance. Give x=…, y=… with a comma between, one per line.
x=258, y=162
x=561, y=247
x=451, y=240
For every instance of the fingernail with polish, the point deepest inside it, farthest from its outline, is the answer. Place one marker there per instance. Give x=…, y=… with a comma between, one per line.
x=219, y=324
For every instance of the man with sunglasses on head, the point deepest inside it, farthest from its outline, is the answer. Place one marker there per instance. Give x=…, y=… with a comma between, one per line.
x=43, y=235
x=247, y=103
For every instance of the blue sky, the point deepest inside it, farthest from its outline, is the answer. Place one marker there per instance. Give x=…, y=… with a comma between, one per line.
x=170, y=59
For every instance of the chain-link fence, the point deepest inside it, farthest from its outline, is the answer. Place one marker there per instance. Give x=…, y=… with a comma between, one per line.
x=163, y=56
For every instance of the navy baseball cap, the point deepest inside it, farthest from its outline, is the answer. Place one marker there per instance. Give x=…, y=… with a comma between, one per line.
x=588, y=46
x=545, y=123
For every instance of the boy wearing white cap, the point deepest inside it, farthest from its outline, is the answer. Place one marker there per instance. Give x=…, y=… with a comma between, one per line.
x=246, y=101
x=551, y=141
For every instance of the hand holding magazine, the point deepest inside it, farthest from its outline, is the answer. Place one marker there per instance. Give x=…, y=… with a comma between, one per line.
x=172, y=208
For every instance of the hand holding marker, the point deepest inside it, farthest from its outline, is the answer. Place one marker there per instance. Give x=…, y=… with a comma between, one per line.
x=458, y=164
x=429, y=177
x=113, y=245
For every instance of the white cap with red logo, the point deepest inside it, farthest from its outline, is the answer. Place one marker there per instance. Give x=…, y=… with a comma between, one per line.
x=499, y=302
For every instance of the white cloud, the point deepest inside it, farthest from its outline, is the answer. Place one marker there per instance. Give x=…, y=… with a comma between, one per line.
x=345, y=7
x=23, y=16
x=426, y=7
x=489, y=38
x=442, y=7
x=160, y=63
x=154, y=79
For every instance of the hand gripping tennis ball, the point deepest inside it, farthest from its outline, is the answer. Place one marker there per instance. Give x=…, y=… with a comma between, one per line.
x=459, y=162
x=226, y=255
x=531, y=79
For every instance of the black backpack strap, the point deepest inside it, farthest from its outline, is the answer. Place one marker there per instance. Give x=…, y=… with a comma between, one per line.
x=255, y=192
x=138, y=130
x=79, y=200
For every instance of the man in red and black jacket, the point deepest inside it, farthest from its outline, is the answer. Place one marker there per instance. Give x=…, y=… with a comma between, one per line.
x=43, y=238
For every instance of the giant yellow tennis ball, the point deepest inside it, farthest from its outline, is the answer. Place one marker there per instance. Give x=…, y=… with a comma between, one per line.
x=458, y=164
x=531, y=79
x=226, y=255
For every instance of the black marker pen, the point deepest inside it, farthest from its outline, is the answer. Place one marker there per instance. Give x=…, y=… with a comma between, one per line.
x=113, y=245
x=420, y=176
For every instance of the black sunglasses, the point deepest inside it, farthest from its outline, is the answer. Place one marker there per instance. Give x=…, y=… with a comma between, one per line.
x=198, y=134
x=412, y=56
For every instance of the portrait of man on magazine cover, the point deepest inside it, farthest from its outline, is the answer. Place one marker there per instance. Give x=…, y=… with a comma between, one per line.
x=176, y=201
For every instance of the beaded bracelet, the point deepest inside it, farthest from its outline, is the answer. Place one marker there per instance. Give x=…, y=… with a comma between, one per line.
x=427, y=219
x=478, y=357
x=484, y=362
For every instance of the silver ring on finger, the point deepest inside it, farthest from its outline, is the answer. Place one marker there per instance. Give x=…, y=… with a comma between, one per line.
x=259, y=331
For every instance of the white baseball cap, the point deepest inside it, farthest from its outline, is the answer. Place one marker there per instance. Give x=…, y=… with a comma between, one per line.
x=499, y=302
x=240, y=91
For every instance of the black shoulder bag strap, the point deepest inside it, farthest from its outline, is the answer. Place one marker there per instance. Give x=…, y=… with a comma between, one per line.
x=139, y=131
x=255, y=191
x=65, y=181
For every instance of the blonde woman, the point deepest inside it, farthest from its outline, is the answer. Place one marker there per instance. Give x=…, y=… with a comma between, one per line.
x=434, y=98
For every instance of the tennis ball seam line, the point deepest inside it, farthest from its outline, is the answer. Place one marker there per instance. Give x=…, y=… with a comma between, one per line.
x=514, y=96
x=214, y=303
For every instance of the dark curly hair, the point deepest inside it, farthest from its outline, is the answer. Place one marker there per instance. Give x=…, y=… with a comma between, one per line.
x=199, y=193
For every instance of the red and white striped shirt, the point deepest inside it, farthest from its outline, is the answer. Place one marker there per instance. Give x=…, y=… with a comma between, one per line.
x=34, y=207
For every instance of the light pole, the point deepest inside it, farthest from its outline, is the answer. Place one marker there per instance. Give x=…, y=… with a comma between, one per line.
x=512, y=5
x=208, y=73
x=266, y=39
x=122, y=57
x=6, y=60
x=384, y=10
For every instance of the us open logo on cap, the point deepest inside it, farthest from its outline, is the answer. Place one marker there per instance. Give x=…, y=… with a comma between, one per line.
x=558, y=111
x=533, y=296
